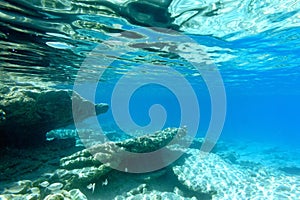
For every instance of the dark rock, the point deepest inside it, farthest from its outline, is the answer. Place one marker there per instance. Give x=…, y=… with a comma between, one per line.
x=28, y=113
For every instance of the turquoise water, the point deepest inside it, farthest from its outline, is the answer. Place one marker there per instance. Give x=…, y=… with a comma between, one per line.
x=240, y=59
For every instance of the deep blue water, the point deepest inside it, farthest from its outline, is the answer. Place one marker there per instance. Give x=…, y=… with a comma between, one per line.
x=262, y=96
x=271, y=117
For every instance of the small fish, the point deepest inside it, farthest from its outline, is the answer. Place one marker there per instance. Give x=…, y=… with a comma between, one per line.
x=91, y=186
x=105, y=182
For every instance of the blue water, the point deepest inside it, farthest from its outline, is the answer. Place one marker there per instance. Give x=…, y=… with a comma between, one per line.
x=262, y=95
x=270, y=117
x=229, y=71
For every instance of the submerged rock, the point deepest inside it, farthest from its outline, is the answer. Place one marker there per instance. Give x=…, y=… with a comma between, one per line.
x=62, y=134
x=83, y=137
x=74, y=194
x=55, y=187
x=208, y=173
x=93, y=167
x=27, y=114
x=141, y=192
x=291, y=170
x=44, y=184
x=31, y=191
x=20, y=187
x=89, y=165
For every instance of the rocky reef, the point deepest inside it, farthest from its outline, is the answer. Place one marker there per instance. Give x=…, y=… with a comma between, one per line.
x=88, y=174
x=28, y=113
x=89, y=166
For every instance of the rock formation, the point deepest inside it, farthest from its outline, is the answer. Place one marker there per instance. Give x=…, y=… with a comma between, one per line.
x=91, y=164
x=208, y=173
x=85, y=167
x=28, y=113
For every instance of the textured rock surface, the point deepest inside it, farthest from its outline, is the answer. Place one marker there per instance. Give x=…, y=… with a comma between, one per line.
x=35, y=167
x=84, y=168
x=74, y=194
x=31, y=163
x=26, y=190
x=154, y=141
x=141, y=192
x=86, y=137
x=28, y=113
x=208, y=173
x=195, y=175
x=88, y=165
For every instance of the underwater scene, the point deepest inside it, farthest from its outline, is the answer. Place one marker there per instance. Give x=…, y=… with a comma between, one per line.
x=150, y=99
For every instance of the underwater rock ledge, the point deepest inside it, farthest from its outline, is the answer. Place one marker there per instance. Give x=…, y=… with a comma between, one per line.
x=27, y=114
x=85, y=167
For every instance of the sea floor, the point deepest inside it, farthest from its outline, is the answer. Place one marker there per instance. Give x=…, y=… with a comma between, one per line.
x=230, y=172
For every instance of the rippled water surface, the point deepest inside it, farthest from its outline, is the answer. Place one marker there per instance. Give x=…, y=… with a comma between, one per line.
x=253, y=42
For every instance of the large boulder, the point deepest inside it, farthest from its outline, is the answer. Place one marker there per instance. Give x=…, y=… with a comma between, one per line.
x=28, y=113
